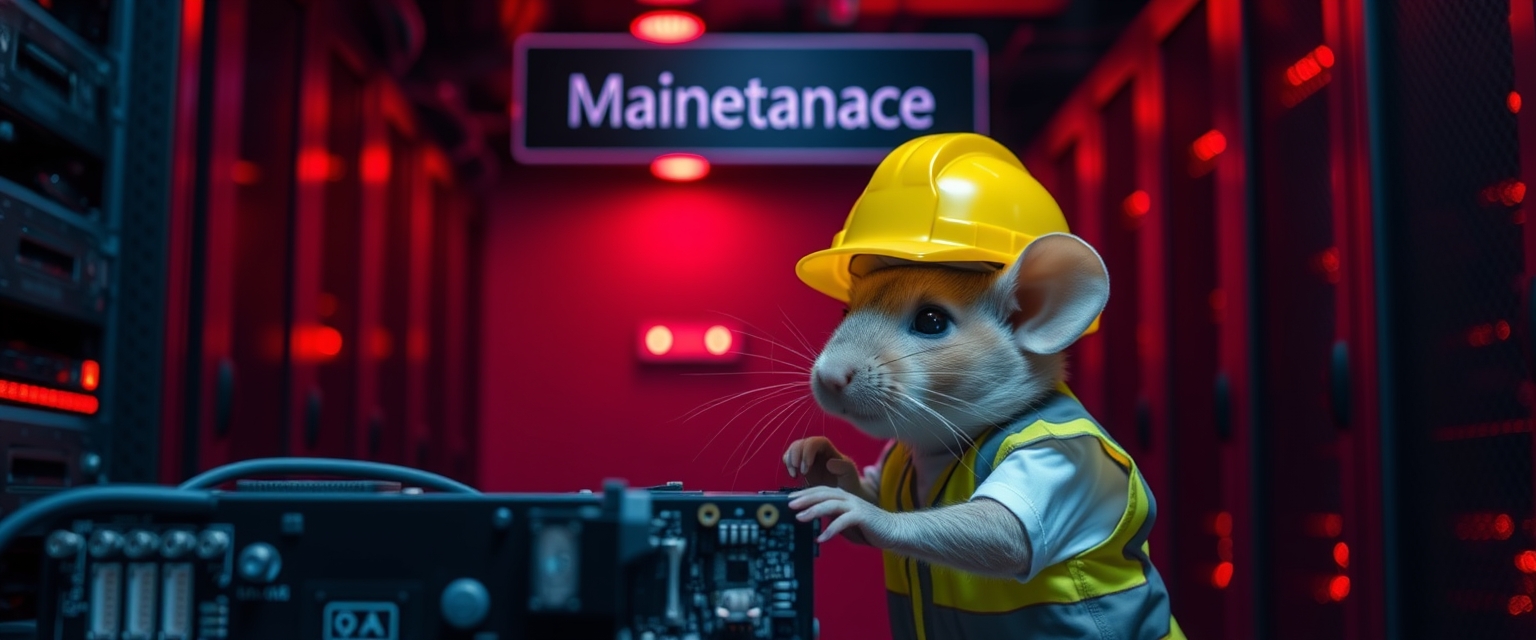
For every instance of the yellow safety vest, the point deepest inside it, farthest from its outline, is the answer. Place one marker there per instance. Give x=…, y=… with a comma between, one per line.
x=1109, y=591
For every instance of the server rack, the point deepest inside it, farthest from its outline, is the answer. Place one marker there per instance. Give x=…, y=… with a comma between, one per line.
x=310, y=248
x=1452, y=291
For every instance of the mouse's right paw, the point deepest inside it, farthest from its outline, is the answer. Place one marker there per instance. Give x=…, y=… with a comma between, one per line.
x=820, y=463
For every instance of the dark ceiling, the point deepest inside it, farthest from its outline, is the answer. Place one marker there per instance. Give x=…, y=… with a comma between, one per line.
x=462, y=76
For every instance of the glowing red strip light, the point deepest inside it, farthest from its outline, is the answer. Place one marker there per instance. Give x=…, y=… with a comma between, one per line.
x=48, y=398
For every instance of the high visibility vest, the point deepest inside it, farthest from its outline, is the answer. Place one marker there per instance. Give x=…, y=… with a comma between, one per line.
x=1109, y=591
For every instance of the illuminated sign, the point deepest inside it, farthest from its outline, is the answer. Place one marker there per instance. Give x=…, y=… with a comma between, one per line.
x=742, y=99
x=688, y=342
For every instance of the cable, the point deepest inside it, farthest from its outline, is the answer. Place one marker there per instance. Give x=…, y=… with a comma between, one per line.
x=328, y=467
x=99, y=499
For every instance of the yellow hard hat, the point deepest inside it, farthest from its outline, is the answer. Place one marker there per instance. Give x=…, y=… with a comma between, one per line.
x=943, y=198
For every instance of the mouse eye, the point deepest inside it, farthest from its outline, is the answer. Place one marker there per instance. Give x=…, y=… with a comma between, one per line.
x=930, y=321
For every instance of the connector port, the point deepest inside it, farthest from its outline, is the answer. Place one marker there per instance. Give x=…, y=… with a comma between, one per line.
x=176, y=608
x=106, y=601
x=143, y=594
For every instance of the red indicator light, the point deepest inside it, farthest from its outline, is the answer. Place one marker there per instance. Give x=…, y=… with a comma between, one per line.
x=375, y=164
x=1222, y=576
x=1519, y=605
x=1503, y=526
x=667, y=27
x=48, y=398
x=1525, y=561
x=1310, y=66
x=681, y=341
x=90, y=375
x=1208, y=146
x=1137, y=204
x=1513, y=102
x=1338, y=588
x=1222, y=525
x=1341, y=554
x=680, y=167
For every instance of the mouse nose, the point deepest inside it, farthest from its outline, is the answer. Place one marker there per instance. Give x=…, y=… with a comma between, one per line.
x=835, y=379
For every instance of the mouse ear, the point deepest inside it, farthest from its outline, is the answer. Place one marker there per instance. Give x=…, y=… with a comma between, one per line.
x=1061, y=286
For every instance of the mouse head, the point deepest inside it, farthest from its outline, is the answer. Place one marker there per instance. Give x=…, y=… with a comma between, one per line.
x=932, y=355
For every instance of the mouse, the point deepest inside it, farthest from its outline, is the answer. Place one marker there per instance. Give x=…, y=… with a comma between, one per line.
x=995, y=478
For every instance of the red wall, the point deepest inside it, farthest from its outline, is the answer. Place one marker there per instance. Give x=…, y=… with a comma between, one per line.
x=576, y=258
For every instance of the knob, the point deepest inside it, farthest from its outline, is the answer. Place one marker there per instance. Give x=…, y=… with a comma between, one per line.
x=105, y=544
x=260, y=562
x=212, y=544
x=141, y=543
x=177, y=544
x=465, y=603
x=63, y=544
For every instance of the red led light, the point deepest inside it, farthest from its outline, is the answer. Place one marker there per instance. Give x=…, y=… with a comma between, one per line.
x=685, y=341
x=48, y=398
x=1338, y=588
x=680, y=167
x=1341, y=554
x=1519, y=605
x=1324, y=525
x=1310, y=66
x=90, y=375
x=1525, y=561
x=375, y=164
x=667, y=27
x=1513, y=102
x=658, y=340
x=1208, y=146
x=1137, y=204
x=1222, y=575
x=1503, y=526
x=1222, y=525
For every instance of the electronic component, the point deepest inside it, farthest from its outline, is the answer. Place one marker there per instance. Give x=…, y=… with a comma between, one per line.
x=53, y=76
x=349, y=564
x=51, y=264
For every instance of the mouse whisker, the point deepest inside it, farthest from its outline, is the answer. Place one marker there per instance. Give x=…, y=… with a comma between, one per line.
x=750, y=373
x=776, y=394
x=759, y=427
x=931, y=350
x=807, y=355
x=796, y=413
x=966, y=440
x=782, y=386
x=968, y=406
x=803, y=369
x=799, y=335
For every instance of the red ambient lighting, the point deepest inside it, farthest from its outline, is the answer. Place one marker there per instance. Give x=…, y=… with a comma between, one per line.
x=1137, y=204
x=1526, y=562
x=1310, y=66
x=667, y=27
x=48, y=398
x=680, y=167
x=688, y=341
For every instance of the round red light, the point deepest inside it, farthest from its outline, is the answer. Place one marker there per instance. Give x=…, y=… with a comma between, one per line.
x=667, y=27
x=90, y=375
x=1526, y=561
x=1324, y=56
x=1519, y=605
x=1338, y=588
x=327, y=341
x=1137, y=204
x=1341, y=554
x=680, y=167
x=1222, y=576
x=658, y=340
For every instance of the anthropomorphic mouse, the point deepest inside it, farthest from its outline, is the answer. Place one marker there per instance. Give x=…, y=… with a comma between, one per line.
x=1004, y=510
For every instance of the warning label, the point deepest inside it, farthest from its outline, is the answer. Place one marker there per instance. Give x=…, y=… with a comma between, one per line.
x=362, y=621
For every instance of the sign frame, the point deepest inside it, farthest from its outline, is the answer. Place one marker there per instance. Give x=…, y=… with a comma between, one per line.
x=522, y=154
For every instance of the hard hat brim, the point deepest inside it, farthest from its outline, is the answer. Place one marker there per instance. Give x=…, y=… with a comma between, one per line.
x=827, y=271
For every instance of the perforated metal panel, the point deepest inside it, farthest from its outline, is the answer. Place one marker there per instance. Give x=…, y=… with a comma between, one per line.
x=1452, y=261
x=144, y=206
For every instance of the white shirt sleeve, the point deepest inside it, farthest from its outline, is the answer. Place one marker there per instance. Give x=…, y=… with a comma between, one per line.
x=1069, y=495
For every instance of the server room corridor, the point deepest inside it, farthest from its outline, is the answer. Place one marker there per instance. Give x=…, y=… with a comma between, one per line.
x=506, y=319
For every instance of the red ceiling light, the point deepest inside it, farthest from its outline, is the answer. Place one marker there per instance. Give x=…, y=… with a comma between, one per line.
x=684, y=341
x=680, y=167
x=667, y=27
